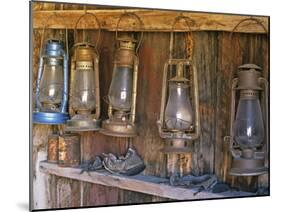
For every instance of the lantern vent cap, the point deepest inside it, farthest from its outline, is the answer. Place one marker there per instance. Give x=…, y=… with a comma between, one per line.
x=127, y=38
x=127, y=42
x=54, y=47
x=246, y=67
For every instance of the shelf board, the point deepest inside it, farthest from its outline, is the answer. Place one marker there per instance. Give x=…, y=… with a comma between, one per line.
x=154, y=20
x=140, y=183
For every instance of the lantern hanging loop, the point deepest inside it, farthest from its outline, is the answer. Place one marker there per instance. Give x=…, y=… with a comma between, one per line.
x=60, y=115
x=136, y=17
x=189, y=22
x=259, y=23
x=76, y=33
x=250, y=19
x=245, y=164
x=63, y=22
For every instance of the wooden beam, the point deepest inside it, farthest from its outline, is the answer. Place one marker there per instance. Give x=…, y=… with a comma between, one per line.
x=154, y=20
x=140, y=183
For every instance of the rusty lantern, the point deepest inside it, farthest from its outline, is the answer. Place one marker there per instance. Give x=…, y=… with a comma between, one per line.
x=179, y=113
x=52, y=81
x=123, y=88
x=249, y=122
x=84, y=87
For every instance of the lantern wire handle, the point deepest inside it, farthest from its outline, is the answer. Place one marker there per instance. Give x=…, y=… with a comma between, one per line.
x=97, y=22
x=54, y=15
x=250, y=19
x=187, y=20
x=135, y=16
x=257, y=22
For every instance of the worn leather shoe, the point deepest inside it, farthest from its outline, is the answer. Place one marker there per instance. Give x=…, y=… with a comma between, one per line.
x=131, y=164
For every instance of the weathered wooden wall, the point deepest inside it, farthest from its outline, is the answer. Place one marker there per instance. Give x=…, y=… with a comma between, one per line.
x=213, y=55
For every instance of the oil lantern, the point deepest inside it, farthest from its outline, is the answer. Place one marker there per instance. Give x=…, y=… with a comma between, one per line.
x=52, y=81
x=84, y=87
x=249, y=122
x=179, y=113
x=123, y=87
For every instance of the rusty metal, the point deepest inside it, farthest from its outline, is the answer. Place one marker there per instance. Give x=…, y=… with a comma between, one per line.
x=136, y=17
x=69, y=154
x=53, y=146
x=78, y=21
x=249, y=84
x=248, y=167
x=176, y=140
x=126, y=56
x=119, y=129
x=85, y=58
x=194, y=132
x=248, y=77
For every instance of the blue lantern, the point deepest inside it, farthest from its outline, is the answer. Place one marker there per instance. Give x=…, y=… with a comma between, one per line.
x=52, y=82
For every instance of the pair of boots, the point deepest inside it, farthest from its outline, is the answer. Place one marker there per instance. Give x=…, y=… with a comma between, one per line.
x=130, y=164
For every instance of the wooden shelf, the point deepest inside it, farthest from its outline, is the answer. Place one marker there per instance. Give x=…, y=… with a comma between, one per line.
x=140, y=183
x=154, y=20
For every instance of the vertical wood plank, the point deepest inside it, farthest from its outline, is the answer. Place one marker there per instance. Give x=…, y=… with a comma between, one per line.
x=41, y=194
x=247, y=49
x=205, y=60
x=213, y=55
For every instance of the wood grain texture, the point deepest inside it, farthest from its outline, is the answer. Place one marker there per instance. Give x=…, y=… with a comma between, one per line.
x=243, y=48
x=42, y=194
x=154, y=20
x=140, y=183
x=205, y=60
x=47, y=190
x=216, y=59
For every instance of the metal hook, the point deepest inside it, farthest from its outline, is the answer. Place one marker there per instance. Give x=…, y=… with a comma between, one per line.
x=177, y=19
x=44, y=28
x=97, y=22
x=133, y=15
x=257, y=21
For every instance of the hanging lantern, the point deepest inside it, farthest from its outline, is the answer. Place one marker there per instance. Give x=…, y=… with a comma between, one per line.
x=248, y=122
x=179, y=113
x=249, y=118
x=84, y=88
x=123, y=88
x=52, y=82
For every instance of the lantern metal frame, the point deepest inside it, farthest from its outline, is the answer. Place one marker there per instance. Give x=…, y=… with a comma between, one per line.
x=250, y=162
x=112, y=126
x=89, y=53
x=53, y=50
x=177, y=137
